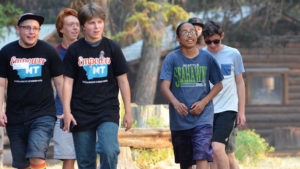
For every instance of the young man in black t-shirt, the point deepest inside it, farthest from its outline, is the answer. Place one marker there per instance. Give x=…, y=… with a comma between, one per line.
x=28, y=65
x=94, y=71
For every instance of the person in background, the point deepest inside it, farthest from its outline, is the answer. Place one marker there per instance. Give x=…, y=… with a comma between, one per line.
x=229, y=104
x=199, y=27
x=95, y=70
x=185, y=77
x=67, y=27
x=29, y=65
x=230, y=149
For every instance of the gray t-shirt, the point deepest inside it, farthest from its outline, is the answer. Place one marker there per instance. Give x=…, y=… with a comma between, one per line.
x=190, y=83
x=231, y=64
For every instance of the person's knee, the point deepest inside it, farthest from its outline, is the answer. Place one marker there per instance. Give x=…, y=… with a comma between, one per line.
x=231, y=157
x=110, y=152
x=218, y=148
x=36, y=161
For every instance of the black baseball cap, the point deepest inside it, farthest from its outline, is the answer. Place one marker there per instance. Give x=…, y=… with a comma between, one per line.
x=26, y=16
x=196, y=21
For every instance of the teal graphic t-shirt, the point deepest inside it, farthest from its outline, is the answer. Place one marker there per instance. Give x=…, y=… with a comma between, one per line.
x=190, y=83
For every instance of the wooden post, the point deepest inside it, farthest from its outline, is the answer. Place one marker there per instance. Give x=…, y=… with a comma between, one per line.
x=125, y=160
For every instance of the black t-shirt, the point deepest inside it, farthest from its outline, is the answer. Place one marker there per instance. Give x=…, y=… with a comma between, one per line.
x=95, y=88
x=29, y=72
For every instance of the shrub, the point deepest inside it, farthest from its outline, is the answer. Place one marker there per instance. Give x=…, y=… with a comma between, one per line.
x=154, y=122
x=251, y=148
x=145, y=158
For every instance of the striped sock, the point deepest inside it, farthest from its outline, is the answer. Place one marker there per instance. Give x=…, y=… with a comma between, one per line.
x=40, y=166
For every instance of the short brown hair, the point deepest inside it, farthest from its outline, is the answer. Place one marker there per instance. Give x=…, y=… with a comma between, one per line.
x=88, y=11
x=60, y=19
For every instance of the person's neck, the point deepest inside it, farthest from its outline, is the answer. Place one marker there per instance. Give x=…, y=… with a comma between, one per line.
x=190, y=52
x=66, y=43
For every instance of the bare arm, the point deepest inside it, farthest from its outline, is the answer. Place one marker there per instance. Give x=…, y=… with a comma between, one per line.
x=240, y=85
x=67, y=94
x=125, y=92
x=3, y=118
x=58, y=83
x=199, y=106
x=165, y=90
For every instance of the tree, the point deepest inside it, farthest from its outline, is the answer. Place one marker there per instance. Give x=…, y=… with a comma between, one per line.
x=8, y=16
x=149, y=21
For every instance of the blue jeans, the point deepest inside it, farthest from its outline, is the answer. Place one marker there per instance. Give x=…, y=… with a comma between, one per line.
x=107, y=146
x=30, y=140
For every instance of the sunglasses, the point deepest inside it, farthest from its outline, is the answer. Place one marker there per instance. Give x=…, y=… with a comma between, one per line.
x=208, y=42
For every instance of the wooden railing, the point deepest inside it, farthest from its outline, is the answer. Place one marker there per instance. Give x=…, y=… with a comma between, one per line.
x=140, y=138
x=145, y=138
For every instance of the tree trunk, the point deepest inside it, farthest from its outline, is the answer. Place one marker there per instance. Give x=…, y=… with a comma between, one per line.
x=146, y=80
x=104, y=5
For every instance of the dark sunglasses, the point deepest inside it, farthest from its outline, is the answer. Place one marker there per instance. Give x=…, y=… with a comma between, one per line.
x=208, y=42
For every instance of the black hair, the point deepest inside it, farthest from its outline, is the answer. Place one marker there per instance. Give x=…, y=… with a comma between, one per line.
x=179, y=26
x=211, y=28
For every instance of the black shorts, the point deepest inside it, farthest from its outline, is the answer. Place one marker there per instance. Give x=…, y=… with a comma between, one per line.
x=223, y=125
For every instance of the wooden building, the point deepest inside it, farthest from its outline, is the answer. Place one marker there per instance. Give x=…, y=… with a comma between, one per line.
x=272, y=81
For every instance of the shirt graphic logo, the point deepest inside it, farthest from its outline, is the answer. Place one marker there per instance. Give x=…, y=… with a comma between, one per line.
x=95, y=67
x=191, y=75
x=27, y=67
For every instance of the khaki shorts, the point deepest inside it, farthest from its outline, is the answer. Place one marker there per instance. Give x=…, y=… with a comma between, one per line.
x=231, y=145
x=63, y=143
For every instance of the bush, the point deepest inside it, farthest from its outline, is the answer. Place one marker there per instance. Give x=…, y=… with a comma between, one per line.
x=154, y=122
x=145, y=158
x=251, y=148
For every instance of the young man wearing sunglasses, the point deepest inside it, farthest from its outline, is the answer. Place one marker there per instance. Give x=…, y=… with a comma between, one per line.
x=229, y=104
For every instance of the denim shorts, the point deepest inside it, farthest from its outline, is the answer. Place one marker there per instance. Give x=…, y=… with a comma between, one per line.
x=30, y=140
x=192, y=144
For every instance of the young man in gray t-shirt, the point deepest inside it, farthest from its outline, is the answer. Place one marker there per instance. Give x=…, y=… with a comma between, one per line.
x=229, y=104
